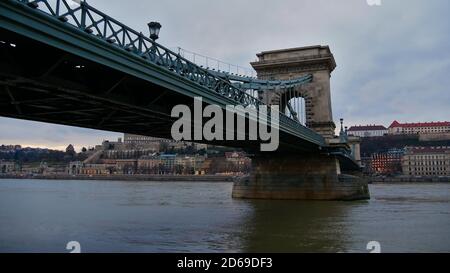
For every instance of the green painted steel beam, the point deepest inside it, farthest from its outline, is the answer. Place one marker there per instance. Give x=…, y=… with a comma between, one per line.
x=245, y=83
x=18, y=17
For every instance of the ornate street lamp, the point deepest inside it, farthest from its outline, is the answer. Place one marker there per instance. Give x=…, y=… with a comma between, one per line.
x=343, y=134
x=154, y=28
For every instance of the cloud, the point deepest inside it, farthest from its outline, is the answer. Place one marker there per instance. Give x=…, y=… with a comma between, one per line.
x=393, y=59
x=38, y=134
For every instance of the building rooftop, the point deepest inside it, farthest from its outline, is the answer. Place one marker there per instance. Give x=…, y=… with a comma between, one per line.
x=366, y=128
x=419, y=124
x=234, y=154
x=427, y=150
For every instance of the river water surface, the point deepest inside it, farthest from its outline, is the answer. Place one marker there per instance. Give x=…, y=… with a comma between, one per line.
x=115, y=216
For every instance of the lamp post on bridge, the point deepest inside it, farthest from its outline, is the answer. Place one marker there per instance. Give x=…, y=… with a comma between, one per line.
x=154, y=28
x=343, y=133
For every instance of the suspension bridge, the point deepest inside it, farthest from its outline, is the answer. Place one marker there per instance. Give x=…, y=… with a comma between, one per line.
x=75, y=65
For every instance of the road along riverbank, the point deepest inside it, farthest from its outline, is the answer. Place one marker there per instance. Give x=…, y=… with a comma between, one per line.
x=120, y=177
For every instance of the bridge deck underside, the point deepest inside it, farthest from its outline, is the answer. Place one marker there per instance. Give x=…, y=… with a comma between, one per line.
x=43, y=83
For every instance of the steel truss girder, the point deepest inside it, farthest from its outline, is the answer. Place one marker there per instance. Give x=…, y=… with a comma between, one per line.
x=78, y=96
x=88, y=19
x=159, y=59
x=245, y=83
x=96, y=23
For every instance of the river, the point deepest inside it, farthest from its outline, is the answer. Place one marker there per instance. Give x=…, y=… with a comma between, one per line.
x=115, y=216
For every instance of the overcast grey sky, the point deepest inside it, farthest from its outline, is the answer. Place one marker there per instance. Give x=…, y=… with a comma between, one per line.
x=393, y=60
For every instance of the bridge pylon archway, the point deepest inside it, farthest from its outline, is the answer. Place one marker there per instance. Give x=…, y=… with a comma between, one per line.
x=286, y=64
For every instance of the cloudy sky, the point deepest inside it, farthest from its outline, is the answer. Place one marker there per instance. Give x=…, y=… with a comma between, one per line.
x=393, y=60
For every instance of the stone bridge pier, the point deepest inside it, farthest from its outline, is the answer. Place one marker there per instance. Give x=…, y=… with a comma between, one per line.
x=301, y=176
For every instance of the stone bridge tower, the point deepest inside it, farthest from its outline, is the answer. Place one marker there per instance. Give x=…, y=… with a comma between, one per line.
x=292, y=63
x=301, y=176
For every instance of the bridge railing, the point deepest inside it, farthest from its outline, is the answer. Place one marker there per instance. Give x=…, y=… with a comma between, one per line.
x=86, y=18
x=92, y=21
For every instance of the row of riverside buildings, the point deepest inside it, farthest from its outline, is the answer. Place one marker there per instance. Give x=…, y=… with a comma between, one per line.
x=411, y=149
x=426, y=161
x=155, y=156
x=396, y=128
x=233, y=163
x=411, y=161
x=134, y=155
